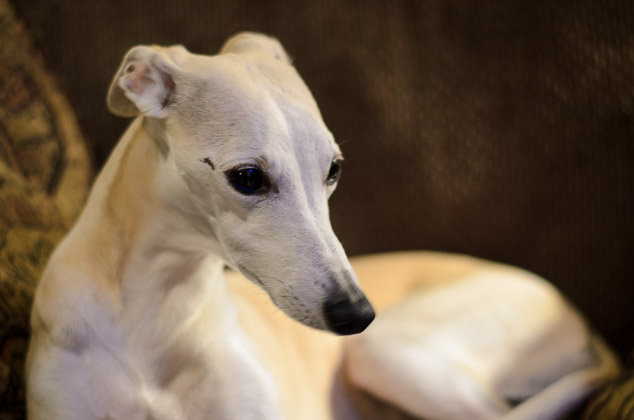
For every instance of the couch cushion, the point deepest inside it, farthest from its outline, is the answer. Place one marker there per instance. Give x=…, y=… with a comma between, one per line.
x=615, y=402
x=44, y=178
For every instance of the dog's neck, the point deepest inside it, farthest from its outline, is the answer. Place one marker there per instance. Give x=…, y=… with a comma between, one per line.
x=161, y=266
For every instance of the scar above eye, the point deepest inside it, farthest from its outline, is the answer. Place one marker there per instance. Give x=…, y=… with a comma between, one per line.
x=208, y=162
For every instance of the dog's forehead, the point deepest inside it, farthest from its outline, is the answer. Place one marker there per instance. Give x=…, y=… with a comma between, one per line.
x=247, y=101
x=239, y=83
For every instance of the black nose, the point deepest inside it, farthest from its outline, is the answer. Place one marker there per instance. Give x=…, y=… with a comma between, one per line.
x=346, y=317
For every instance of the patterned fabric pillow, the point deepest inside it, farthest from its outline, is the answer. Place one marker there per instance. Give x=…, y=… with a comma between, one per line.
x=616, y=402
x=44, y=178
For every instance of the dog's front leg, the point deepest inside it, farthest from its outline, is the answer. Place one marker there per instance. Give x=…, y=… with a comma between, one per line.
x=79, y=365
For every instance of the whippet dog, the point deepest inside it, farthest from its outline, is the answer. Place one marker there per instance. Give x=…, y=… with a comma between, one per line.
x=229, y=163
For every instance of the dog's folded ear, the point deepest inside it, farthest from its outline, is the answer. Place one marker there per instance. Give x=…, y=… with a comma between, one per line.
x=251, y=41
x=145, y=81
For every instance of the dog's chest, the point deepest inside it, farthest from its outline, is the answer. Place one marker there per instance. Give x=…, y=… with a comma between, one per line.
x=205, y=371
x=184, y=341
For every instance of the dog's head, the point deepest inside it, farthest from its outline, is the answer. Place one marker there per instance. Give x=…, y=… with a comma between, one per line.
x=255, y=166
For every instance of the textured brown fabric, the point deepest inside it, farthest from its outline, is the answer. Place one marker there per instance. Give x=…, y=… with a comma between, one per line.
x=44, y=178
x=615, y=401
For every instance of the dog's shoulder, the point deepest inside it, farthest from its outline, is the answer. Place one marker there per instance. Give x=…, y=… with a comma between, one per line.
x=72, y=304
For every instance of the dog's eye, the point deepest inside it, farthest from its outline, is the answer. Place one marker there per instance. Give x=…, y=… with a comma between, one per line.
x=334, y=173
x=248, y=180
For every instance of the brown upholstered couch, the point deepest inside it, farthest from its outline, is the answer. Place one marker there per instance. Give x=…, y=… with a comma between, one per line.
x=502, y=129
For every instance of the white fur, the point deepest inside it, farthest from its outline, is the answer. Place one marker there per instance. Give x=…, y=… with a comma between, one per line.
x=134, y=319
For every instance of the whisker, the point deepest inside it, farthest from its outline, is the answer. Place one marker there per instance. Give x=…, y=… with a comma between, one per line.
x=342, y=142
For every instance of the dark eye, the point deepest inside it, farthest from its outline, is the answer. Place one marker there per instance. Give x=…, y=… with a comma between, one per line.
x=334, y=173
x=248, y=180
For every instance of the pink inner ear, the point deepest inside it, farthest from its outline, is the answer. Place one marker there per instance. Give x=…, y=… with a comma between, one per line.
x=136, y=77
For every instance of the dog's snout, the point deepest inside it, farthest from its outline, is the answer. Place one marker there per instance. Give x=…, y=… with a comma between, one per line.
x=346, y=317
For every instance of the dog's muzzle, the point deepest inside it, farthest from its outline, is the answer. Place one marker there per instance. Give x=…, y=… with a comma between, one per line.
x=346, y=317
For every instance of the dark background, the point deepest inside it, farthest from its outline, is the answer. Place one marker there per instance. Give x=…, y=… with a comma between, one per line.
x=502, y=129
